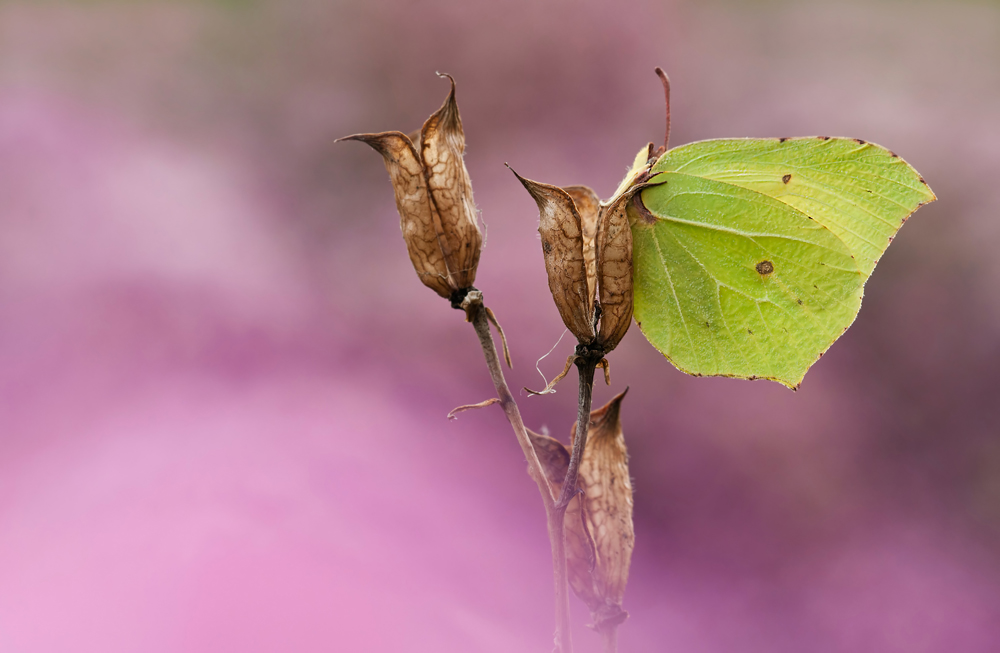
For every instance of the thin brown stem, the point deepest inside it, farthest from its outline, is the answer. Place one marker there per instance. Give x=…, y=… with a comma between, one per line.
x=586, y=364
x=609, y=636
x=476, y=313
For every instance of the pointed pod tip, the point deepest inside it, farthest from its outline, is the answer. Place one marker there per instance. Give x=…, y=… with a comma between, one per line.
x=521, y=179
x=608, y=416
x=616, y=401
x=530, y=186
x=450, y=79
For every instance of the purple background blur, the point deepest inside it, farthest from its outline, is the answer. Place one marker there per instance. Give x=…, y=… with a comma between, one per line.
x=223, y=389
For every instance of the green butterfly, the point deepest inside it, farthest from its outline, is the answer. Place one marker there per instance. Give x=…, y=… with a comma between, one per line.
x=750, y=256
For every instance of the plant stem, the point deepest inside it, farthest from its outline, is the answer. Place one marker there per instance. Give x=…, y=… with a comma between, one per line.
x=476, y=313
x=557, y=515
x=586, y=364
x=610, y=638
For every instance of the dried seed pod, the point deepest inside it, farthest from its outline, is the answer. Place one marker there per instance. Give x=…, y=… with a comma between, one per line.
x=442, y=146
x=607, y=511
x=561, y=228
x=434, y=198
x=588, y=249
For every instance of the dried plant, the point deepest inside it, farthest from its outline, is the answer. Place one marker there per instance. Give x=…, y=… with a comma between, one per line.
x=769, y=220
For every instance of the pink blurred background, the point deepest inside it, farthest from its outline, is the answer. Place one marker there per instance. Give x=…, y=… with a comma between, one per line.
x=223, y=389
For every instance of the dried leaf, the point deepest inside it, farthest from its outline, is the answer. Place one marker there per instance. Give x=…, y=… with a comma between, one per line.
x=604, y=479
x=442, y=144
x=560, y=226
x=503, y=338
x=418, y=220
x=482, y=404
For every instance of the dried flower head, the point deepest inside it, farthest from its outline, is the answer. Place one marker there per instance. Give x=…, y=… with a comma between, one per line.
x=587, y=245
x=599, y=532
x=434, y=197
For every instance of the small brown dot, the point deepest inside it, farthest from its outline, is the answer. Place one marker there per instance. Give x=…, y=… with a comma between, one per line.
x=707, y=324
x=859, y=141
x=782, y=139
x=799, y=301
x=823, y=138
x=922, y=181
x=749, y=331
x=546, y=246
x=765, y=268
x=786, y=178
x=894, y=155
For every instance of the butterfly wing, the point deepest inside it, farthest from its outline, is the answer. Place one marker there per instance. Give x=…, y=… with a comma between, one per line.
x=751, y=255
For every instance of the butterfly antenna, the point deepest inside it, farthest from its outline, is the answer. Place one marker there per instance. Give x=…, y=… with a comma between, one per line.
x=666, y=94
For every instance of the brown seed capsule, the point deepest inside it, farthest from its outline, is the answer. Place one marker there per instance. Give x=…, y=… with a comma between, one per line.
x=598, y=527
x=607, y=510
x=588, y=257
x=434, y=198
x=561, y=228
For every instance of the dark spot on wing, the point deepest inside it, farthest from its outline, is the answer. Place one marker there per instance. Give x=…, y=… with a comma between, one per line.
x=749, y=331
x=707, y=324
x=799, y=301
x=786, y=178
x=765, y=268
x=859, y=141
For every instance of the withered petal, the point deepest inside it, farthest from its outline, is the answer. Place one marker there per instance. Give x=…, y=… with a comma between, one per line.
x=442, y=144
x=417, y=218
x=561, y=229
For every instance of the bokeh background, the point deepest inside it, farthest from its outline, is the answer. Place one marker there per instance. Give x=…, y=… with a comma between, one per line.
x=223, y=390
